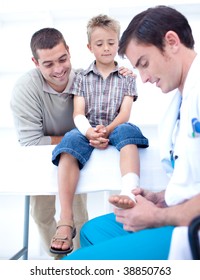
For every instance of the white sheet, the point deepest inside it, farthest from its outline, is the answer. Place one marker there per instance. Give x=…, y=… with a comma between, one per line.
x=29, y=170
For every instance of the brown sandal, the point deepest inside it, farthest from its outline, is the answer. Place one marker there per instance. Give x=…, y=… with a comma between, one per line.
x=64, y=238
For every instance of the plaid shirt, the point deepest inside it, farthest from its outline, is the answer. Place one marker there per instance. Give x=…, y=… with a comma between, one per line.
x=103, y=97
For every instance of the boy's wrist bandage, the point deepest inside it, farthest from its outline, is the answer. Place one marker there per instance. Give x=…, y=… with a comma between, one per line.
x=82, y=123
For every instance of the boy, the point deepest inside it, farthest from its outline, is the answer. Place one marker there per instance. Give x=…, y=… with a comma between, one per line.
x=102, y=106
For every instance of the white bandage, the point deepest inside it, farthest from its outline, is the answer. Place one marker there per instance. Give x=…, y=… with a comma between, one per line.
x=82, y=123
x=130, y=181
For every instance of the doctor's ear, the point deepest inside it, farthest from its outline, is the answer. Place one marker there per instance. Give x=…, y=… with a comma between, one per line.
x=172, y=39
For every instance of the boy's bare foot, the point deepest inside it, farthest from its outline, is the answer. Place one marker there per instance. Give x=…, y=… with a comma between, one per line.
x=122, y=201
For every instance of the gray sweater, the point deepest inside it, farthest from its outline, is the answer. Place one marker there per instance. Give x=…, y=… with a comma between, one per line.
x=40, y=112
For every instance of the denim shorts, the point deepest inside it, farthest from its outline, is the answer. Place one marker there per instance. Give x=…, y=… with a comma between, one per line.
x=78, y=146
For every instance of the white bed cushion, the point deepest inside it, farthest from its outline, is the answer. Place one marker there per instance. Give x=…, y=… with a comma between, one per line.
x=29, y=170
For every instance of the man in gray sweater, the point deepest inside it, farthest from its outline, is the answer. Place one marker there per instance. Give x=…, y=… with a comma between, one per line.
x=42, y=108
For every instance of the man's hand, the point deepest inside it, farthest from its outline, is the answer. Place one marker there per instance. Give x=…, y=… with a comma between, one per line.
x=125, y=72
x=142, y=215
x=156, y=197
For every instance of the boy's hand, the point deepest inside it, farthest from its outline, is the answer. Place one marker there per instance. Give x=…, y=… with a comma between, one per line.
x=97, y=137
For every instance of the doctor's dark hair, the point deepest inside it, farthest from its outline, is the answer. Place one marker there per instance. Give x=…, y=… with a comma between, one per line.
x=46, y=38
x=150, y=26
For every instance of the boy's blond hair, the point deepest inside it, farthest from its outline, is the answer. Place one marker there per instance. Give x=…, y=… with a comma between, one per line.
x=102, y=21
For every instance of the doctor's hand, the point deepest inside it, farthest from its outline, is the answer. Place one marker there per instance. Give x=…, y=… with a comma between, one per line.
x=143, y=215
x=157, y=198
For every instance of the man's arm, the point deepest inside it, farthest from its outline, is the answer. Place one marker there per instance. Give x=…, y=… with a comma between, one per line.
x=55, y=139
x=27, y=114
x=182, y=214
x=146, y=214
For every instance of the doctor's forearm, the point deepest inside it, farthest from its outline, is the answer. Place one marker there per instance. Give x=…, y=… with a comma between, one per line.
x=181, y=214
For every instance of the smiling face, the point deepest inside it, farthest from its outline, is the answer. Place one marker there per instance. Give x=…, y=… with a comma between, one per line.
x=104, y=45
x=55, y=66
x=154, y=66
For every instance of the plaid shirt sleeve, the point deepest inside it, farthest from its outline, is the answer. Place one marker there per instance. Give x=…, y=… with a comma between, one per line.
x=77, y=86
x=130, y=88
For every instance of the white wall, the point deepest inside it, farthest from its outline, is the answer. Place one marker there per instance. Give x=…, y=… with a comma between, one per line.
x=18, y=21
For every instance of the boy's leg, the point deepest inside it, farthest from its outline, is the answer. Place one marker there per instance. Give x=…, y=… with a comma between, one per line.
x=126, y=138
x=43, y=212
x=67, y=182
x=70, y=155
x=130, y=172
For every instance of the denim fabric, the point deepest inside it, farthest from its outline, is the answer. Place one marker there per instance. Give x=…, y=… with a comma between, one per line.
x=127, y=133
x=77, y=145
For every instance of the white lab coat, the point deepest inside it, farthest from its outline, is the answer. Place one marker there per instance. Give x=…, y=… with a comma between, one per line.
x=184, y=180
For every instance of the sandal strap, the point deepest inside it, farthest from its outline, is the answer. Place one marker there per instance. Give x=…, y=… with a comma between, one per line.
x=62, y=223
x=60, y=237
x=63, y=237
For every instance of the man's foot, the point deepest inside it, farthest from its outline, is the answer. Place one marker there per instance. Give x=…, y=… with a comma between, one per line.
x=122, y=201
x=62, y=243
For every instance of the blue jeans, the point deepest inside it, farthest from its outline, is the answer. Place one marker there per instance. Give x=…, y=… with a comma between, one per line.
x=103, y=238
x=77, y=145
